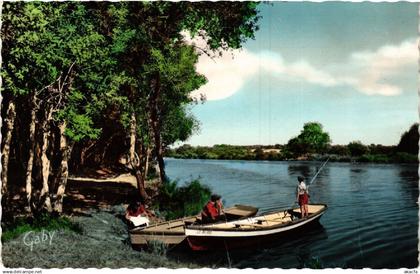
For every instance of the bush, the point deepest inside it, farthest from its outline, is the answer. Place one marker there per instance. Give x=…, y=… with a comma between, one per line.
x=176, y=202
x=404, y=157
x=357, y=148
x=156, y=247
x=374, y=158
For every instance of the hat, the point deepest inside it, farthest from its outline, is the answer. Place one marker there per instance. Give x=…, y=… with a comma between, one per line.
x=215, y=197
x=301, y=179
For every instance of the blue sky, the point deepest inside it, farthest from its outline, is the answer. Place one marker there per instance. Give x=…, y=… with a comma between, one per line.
x=350, y=66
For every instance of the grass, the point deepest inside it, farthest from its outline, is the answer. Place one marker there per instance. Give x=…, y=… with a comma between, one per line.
x=44, y=221
x=157, y=248
x=102, y=242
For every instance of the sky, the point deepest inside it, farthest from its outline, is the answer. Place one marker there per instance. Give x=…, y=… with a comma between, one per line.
x=350, y=66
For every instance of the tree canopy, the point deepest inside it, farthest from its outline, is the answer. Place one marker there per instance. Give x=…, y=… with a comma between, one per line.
x=312, y=139
x=103, y=80
x=409, y=141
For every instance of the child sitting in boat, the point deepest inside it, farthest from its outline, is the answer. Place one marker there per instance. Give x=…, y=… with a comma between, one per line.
x=213, y=210
x=136, y=214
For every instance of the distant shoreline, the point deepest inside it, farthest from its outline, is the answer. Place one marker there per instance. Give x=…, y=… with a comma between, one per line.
x=376, y=154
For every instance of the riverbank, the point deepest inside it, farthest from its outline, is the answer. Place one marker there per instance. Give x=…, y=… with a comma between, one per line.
x=92, y=231
x=337, y=153
x=103, y=241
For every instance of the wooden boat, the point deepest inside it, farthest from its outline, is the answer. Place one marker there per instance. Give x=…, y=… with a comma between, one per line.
x=173, y=232
x=251, y=231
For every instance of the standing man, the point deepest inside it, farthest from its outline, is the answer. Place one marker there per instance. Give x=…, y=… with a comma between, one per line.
x=302, y=196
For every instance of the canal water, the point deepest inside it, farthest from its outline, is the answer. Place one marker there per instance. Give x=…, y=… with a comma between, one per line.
x=371, y=221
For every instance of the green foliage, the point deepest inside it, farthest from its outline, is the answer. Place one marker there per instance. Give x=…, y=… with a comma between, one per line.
x=179, y=126
x=409, y=141
x=312, y=139
x=374, y=158
x=339, y=150
x=157, y=248
x=176, y=202
x=221, y=152
x=356, y=148
x=42, y=222
x=54, y=49
x=404, y=157
x=337, y=153
x=222, y=24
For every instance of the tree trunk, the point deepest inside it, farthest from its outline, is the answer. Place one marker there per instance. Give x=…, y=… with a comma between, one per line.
x=135, y=163
x=146, y=165
x=140, y=184
x=133, y=125
x=10, y=122
x=161, y=163
x=30, y=164
x=65, y=149
x=155, y=125
x=45, y=162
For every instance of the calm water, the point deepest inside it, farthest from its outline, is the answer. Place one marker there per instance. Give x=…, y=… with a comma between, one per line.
x=372, y=220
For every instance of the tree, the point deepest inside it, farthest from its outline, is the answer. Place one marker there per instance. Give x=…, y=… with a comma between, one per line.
x=48, y=50
x=158, y=68
x=312, y=139
x=75, y=68
x=356, y=148
x=409, y=141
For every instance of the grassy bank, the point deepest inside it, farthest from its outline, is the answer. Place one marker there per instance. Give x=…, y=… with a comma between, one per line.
x=100, y=240
x=22, y=225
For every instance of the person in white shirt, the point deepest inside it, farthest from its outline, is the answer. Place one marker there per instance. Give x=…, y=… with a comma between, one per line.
x=302, y=196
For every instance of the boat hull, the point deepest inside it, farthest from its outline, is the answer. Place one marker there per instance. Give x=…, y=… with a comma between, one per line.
x=234, y=238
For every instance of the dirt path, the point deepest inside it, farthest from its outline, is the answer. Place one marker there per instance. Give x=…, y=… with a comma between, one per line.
x=101, y=191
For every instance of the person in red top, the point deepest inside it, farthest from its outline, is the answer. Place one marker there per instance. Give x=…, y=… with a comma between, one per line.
x=135, y=209
x=213, y=210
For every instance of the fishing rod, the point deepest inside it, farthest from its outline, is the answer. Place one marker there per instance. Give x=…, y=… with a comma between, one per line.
x=312, y=180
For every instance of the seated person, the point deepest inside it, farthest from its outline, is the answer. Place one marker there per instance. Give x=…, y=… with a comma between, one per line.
x=137, y=214
x=213, y=210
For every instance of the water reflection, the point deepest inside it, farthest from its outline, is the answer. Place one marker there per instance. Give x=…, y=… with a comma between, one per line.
x=320, y=186
x=357, y=175
x=409, y=179
x=299, y=170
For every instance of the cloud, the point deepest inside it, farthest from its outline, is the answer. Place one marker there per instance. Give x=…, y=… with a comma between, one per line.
x=375, y=68
x=228, y=74
x=368, y=72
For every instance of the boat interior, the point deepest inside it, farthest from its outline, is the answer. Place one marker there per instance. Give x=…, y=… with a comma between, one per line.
x=177, y=226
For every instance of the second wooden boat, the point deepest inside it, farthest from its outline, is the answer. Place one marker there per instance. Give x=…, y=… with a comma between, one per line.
x=173, y=232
